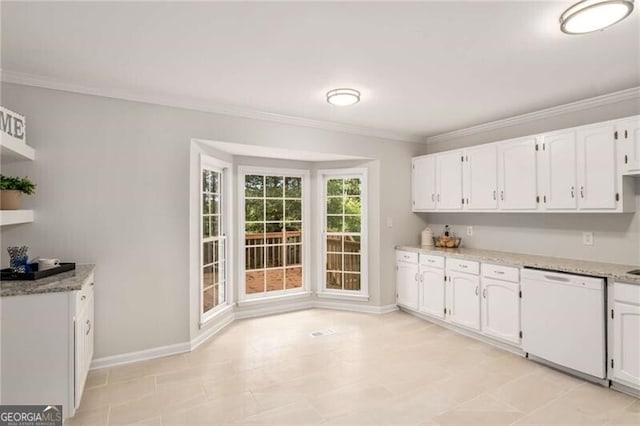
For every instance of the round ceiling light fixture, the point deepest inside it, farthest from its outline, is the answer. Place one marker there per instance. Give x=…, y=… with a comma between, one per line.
x=343, y=97
x=587, y=16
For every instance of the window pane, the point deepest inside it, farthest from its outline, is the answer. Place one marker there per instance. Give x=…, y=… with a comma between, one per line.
x=215, y=226
x=334, y=280
x=206, y=181
x=294, y=255
x=334, y=205
x=351, y=281
x=351, y=244
x=207, y=300
x=254, y=282
x=293, y=209
x=254, y=210
x=334, y=243
x=207, y=199
x=334, y=223
x=207, y=276
x=352, y=224
x=274, y=209
x=292, y=236
x=206, y=226
x=352, y=205
x=352, y=186
x=275, y=186
x=273, y=228
x=275, y=256
x=215, y=204
x=352, y=262
x=293, y=187
x=216, y=273
x=215, y=182
x=334, y=186
x=254, y=186
x=207, y=252
x=293, y=277
x=334, y=262
x=254, y=258
x=275, y=279
x=254, y=233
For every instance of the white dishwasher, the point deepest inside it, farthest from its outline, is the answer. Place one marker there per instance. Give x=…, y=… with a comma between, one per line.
x=563, y=320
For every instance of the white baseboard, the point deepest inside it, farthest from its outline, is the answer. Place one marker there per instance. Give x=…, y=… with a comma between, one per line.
x=228, y=318
x=354, y=307
x=147, y=354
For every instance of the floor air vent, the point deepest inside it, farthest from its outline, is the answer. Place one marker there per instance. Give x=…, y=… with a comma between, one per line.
x=326, y=332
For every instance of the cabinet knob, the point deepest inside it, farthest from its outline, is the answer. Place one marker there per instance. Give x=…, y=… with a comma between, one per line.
x=83, y=298
x=476, y=290
x=626, y=159
x=573, y=195
x=88, y=327
x=494, y=194
x=433, y=197
x=502, y=195
x=582, y=192
x=484, y=293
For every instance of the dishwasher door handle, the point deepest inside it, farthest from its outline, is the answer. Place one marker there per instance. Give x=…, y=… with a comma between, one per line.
x=555, y=278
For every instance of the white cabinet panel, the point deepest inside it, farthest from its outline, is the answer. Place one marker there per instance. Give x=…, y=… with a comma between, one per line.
x=626, y=342
x=407, y=284
x=449, y=180
x=517, y=173
x=628, y=132
x=501, y=309
x=424, y=183
x=463, y=300
x=596, y=167
x=432, y=291
x=559, y=162
x=481, y=177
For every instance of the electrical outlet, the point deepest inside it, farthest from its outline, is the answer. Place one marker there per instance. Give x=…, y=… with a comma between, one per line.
x=469, y=231
x=587, y=238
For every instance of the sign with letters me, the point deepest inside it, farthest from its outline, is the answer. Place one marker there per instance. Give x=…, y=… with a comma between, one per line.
x=13, y=124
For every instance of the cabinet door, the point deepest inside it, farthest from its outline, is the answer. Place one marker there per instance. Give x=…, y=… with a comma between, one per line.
x=518, y=174
x=407, y=285
x=431, y=291
x=626, y=345
x=596, y=168
x=558, y=166
x=424, y=183
x=449, y=180
x=481, y=178
x=500, y=309
x=629, y=142
x=89, y=333
x=80, y=363
x=464, y=299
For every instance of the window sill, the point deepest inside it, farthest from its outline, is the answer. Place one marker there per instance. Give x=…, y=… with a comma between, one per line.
x=343, y=296
x=216, y=314
x=271, y=299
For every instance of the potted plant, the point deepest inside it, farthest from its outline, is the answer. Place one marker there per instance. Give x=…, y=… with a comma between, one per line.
x=11, y=189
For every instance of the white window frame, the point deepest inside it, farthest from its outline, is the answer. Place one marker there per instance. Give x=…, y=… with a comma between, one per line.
x=226, y=216
x=323, y=291
x=306, y=233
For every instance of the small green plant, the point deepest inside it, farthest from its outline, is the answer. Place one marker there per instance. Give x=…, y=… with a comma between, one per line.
x=17, y=183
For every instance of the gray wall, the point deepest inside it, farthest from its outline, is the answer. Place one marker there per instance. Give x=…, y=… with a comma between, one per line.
x=616, y=236
x=113, y=189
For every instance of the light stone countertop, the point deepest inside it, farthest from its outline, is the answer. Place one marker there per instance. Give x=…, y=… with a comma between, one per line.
x=66, y=281
x=616, y=271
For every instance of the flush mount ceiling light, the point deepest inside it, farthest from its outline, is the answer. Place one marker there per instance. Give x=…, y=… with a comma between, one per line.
x=592, y=15
x=343, y=97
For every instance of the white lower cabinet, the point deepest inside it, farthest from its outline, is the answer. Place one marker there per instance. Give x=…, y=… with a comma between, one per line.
x=407, y=280
x=47, y=347
x=500, y=305
x=625, y=356
x=463, y=299
x=432, y=286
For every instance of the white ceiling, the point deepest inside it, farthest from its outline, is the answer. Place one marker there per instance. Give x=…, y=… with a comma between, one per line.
x=423, y=68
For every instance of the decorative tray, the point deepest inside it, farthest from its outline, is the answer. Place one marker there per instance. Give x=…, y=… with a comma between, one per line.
x=9, y=275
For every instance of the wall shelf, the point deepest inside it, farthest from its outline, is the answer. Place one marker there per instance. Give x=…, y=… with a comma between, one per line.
x=14, y=217
x=13, y=149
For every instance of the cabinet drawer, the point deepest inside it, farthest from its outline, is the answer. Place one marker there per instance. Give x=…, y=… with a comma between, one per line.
x=406, y=256
x=433, y=261
x=468, y=266
x=628, y=293
x=84, y=294
x=500, y=272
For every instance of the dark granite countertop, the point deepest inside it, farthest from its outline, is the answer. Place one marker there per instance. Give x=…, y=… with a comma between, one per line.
x=66, y=281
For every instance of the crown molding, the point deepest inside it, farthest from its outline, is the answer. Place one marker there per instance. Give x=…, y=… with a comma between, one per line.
x=202, y=105
x=607, y=99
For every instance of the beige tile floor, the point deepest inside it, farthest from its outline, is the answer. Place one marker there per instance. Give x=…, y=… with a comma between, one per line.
x=384, y=369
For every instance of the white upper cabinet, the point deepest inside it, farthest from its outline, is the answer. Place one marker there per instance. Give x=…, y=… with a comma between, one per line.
x=597, y=167
x=449, y=180
x=480, y=171
x=424, y=183
x=628, y=136
x=558, y=170
x=517, y=174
